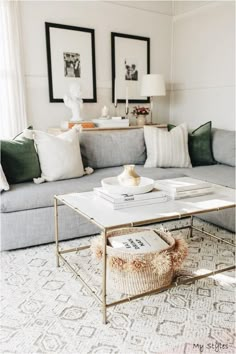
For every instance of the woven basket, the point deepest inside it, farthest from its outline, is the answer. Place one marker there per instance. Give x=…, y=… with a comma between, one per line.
x=131, y=273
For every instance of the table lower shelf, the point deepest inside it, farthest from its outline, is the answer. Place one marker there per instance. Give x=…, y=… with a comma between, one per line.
x=178, y=282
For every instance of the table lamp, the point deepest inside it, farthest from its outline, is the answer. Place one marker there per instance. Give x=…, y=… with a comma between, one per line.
x=152, y=85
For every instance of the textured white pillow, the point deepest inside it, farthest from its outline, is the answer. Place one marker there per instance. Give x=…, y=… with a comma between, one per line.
x=167, y=149
x=59, y=156
x=4, y=186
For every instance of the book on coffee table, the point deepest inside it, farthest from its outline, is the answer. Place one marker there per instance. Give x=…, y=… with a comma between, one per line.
x=191, y=193
x=117, y=201
x=119, y=198
x=141, y=242
x=184, y=187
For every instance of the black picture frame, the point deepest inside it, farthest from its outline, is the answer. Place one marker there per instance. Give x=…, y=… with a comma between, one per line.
x=91, y=71
x=114, y=55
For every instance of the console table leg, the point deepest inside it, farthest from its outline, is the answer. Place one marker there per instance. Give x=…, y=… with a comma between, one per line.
x=104, y=285
x=56, y=231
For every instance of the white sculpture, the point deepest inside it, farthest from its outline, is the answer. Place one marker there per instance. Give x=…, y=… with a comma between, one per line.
x=74, y=101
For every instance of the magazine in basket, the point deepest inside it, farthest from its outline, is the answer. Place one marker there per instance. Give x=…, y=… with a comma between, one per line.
x=140, y=242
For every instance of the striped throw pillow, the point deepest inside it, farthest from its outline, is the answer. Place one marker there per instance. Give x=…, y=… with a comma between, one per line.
x=167, y=149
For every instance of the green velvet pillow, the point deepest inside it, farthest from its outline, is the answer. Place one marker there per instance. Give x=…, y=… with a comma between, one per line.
x=200, y=145
x=19, y=160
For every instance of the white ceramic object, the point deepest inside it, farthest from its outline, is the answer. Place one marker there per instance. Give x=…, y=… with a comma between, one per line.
x=129, y=176
x=112, y=185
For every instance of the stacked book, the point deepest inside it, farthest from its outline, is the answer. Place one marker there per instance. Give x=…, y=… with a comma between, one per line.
x=114, y=122
x=140, y=242
x=184, y=187
x=117, y=201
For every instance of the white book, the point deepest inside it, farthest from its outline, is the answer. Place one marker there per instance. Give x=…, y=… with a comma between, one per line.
x=181, y=184
x=118, y=198
x=191, y=193
x=140, y=242
x=134, y=203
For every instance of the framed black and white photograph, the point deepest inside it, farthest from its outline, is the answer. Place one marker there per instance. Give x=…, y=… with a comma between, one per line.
x=71, y=59
x=130, y=57
x=72, y=64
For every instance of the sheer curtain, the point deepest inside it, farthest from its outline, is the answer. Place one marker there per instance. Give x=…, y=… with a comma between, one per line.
x=12, y=97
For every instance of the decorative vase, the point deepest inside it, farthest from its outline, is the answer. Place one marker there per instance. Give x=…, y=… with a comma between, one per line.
x=141, y=120
x=129, y=177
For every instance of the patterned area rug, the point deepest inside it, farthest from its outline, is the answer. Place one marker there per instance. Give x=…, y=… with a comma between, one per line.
x=44, y=309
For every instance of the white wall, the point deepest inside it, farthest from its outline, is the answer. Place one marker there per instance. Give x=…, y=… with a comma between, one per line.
x=203, y=63
x=104, y=18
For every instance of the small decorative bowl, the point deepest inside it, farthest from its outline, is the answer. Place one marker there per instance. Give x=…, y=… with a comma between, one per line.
x=112, y=185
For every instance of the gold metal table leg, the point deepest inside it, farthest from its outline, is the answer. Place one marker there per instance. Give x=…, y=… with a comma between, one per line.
x=191, y=227
x=104, y=278
x=56, y=231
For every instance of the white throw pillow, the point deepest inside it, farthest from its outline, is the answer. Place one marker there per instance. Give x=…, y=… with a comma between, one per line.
x=4, y=186
x=59, y=156
x=167, y=149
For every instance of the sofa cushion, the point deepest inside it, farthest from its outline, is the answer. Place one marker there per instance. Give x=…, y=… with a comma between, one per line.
x=167, y=148
x=41, y=196
x=223, y=218
x=59, y=156
x=109, y=148
x=24, y=233
x=223, y=146
x=219, y=174
x=200, y=145
x=19, y=160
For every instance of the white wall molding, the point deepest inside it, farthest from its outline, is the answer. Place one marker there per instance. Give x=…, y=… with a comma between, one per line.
x=189, y=88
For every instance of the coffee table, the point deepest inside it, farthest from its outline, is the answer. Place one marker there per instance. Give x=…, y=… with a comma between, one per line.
x=100, y=213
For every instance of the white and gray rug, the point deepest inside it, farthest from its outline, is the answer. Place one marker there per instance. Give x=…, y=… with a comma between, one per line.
x=44, y=309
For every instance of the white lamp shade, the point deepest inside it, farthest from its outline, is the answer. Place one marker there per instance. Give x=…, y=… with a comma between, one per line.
x=153, y=85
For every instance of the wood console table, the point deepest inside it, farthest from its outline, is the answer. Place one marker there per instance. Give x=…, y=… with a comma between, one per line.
x=58, y=130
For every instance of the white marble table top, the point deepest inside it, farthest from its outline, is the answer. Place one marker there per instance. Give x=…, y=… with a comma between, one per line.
x=101, y=212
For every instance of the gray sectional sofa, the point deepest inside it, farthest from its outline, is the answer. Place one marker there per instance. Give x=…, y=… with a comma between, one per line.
x=27, y=209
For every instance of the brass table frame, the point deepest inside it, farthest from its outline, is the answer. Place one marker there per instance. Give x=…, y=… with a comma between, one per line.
x=105, y=230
